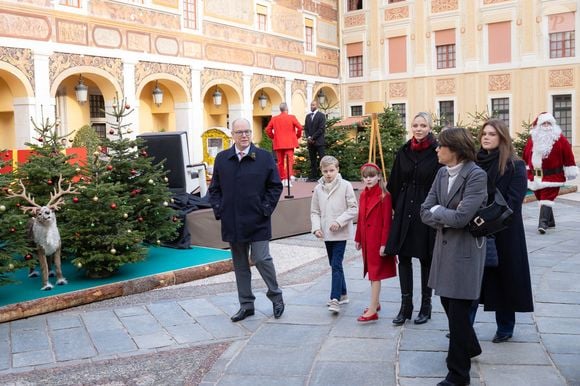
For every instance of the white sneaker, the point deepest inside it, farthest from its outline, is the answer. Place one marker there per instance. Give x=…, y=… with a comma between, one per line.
x=343, y=300
x=284, y=183
x=334, y=306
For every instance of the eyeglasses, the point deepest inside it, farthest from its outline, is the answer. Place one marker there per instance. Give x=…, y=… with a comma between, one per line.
x=241, y=133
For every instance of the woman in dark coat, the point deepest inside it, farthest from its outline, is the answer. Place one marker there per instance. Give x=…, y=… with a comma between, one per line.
x=506, y=289
x=411, y=177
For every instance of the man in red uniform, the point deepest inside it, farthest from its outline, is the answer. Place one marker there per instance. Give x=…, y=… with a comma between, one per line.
x=550, y=161
x=284, y=130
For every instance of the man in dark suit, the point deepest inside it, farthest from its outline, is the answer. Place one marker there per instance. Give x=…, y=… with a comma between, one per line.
x=314, y=128
x=244, y=192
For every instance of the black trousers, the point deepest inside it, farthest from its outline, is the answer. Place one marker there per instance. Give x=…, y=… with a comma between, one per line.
x=313, y=152
x=463, y=343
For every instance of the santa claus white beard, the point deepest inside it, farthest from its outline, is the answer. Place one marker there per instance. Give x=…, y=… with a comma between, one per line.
x=543, y=140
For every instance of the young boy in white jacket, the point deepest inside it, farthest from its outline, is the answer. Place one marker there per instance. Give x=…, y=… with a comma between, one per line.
x=332, y=210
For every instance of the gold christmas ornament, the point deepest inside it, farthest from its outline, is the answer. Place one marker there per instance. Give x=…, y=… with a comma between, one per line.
x=95, y=199
x=165, y=203
x=125, y=215
x=2, y=208
x=151, y=182
x=11, y=266
x=148, y=201
x=79, y=265
x=113, y=251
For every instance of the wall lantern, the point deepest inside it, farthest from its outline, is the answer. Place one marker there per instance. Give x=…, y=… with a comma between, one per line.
x=263, y=100
x=157, y=94
x=217, y=97
x=81, y=90
x=321, y=98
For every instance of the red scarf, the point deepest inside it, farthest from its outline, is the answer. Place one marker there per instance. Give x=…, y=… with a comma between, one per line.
x=423, y=145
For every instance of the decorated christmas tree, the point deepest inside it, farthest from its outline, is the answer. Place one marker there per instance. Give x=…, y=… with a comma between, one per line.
x=146, y=182
x=101, y=231
x=124, y=202
x=13, y=229
x=47, y=161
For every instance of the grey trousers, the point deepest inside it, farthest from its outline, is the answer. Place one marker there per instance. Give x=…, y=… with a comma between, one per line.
x=259, y=251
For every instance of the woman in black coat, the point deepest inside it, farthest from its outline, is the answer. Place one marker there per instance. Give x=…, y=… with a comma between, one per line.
x=411, y=177
x=506, y=289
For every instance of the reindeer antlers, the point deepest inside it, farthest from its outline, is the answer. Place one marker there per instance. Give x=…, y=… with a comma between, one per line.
x=55, y=197
x=10, y=194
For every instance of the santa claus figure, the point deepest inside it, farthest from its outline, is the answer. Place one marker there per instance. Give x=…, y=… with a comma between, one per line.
x=550, y=161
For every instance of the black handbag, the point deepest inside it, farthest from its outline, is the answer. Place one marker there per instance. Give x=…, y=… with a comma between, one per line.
x=492, y=218
x=491, y=257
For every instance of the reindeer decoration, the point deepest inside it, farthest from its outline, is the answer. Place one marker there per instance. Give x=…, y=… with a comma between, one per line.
x=45, y=231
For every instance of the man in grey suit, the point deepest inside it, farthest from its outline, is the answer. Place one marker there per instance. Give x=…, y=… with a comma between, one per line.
x=244, y=192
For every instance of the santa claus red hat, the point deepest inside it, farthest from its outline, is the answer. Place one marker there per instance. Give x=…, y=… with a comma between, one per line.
x=543, y=118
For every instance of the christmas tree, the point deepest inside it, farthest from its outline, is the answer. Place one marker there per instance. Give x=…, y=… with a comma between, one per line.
x=13, y=229
x=130, y=165
x=124, y=202
x=100, y=231
x=47, y=162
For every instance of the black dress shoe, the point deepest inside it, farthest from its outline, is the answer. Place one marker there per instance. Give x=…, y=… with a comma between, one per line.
x=242, y=314
x=278, y=309
x=501, y=338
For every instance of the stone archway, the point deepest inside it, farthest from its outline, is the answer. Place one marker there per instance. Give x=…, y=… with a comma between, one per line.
x=16, y=107
x=173, y=113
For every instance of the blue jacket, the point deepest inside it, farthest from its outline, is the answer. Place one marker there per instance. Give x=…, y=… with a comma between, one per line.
x=244, y=194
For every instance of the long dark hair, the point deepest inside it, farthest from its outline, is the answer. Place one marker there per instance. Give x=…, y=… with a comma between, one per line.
x=506, y=148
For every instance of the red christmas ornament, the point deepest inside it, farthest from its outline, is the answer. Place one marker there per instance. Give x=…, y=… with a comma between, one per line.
x=133, y=171
x=143, y=153
x=28, y=256
x=12, y=230
x=109, y=167
x=40, y=139
x=127, y=107
x=49, y=182
x=174, y=219
x=18, y=205
x=111, y=131
x=140, y=219
x=75, y=199
x=113, y=206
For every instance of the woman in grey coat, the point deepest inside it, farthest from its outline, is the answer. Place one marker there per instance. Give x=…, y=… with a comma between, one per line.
x=458, y=191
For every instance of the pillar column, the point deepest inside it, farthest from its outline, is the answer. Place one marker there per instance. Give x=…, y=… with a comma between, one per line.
x=128, y=93
x=196, y=111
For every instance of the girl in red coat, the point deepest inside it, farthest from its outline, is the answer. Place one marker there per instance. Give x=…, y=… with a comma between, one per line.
x=374, y=223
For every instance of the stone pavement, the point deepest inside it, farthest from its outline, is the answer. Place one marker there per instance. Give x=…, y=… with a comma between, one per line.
x=183, y=335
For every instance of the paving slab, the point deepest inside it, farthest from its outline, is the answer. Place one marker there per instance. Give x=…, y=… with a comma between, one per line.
x=274, y=360
x=343, y=349
x=355, y=373
x=505, y=375
x=113, y=342
x=72, y=343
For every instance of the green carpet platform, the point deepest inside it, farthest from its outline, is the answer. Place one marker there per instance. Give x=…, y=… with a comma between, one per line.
x=162, y=267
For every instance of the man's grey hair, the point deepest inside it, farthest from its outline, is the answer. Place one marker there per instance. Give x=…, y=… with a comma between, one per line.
x=240, y=120
x=283, y=106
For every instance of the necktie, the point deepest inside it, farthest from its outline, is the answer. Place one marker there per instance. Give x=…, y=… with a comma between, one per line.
x=240, y=155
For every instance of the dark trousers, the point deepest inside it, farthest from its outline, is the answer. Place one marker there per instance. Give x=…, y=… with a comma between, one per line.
x=315, y=153
x=463, y=343
x=259, y=251
x=335, y=250
x=505, y=320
